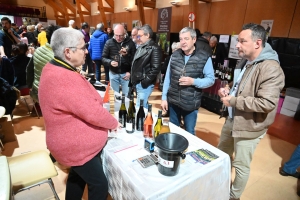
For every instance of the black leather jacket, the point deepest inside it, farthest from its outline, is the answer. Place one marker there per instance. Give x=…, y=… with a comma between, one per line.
x=112, y=48
x=203, y=44
x=146, y=64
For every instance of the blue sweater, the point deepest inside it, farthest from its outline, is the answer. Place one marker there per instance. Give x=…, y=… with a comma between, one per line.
x=97, y=43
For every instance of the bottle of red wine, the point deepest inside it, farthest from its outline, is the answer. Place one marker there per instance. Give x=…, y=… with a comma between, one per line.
x=130, y=122
x=123, y=112
x=140, y=117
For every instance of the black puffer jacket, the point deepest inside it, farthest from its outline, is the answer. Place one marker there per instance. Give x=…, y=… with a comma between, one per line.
x=112, y=48
x=203, y=44
x=146, y=64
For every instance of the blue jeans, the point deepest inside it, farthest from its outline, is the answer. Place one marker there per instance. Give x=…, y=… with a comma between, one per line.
x=116, y=80
x=189, y=117
x=143, y=93
x=291, y=166
x=98, y=71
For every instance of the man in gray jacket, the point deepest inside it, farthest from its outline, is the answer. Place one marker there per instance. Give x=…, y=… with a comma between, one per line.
x=252, y=102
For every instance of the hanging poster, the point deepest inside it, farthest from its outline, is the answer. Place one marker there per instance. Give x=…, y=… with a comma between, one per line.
x=233, y=52
x=163, y=29
x=267, y=24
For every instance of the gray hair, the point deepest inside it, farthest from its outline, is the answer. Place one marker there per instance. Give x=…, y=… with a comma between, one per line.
x=175, y=46
x=206, y=35
x=257, y=32
x=147, y=30
x=71, y=22
x=214, y=39
x=100, y=26
x=189, y=29
x=63, y=38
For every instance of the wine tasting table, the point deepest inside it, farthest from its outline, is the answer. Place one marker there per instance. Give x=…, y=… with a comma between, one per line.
x=129, y=180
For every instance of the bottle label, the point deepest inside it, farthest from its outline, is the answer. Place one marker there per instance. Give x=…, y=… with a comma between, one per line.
x=148, y=130
x=229, y=77
x=122, y=120
x=129, y=126
x=140, y=124
x=217, y=71
x=165, y=163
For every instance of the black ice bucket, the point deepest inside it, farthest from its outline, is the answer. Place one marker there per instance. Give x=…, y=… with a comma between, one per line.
x=170, y=150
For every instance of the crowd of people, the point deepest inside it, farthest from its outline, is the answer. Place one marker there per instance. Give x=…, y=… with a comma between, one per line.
x=69, y=103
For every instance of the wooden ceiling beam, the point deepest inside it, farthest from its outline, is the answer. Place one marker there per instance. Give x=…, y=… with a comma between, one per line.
x=103, y=9
x=206, y=1
x=86, y=5
x=140, y=8
x=149, y=4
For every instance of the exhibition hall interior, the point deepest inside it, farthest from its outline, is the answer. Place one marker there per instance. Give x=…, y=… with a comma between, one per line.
x=29, y=171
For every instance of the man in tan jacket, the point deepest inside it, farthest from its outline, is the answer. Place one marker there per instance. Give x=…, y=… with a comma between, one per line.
x=252, y=102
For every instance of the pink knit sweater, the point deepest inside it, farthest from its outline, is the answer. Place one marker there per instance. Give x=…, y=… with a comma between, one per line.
x=76, y=123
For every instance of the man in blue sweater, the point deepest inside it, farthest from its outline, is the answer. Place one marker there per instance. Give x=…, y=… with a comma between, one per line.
x=96, y=46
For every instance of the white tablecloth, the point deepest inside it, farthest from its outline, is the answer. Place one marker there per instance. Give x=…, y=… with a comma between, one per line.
x=129, y=180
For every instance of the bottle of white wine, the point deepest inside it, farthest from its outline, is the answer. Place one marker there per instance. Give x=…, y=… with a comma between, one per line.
x=130, y=122
x=140, y=117
x=158, y=124
x=123, y=112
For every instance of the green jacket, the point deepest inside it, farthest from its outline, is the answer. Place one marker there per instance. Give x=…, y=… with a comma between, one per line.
x=41, y=57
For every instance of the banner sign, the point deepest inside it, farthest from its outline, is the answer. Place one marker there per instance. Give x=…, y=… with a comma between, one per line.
x=164, y=28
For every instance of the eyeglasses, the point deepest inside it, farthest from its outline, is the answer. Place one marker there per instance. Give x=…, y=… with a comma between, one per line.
x=120, y=36
x=82, y=48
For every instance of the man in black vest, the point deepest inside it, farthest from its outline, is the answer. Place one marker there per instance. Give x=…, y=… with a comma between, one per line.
x=190, y=69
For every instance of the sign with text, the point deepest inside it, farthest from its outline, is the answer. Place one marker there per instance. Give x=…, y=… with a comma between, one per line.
x=233, y=52
x=164, y=28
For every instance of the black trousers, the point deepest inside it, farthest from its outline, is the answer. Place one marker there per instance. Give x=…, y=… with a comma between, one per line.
x=88, y=64
x=91, y=173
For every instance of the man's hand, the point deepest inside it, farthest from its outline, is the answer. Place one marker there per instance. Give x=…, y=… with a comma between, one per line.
x=127, y=76
x=223, y=92
x=9, y=31
x=114, y=64
x=123, y=51
x=164, y=105
x=186, y=81
x=226, y=100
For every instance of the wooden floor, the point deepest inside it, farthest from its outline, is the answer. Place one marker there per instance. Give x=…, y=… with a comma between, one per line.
x=286, y=128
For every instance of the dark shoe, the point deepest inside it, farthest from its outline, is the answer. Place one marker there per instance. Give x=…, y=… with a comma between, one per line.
x=234, y=199
x=283, y=173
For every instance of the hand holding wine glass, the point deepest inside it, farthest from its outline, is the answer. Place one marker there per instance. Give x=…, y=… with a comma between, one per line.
x=116, y=60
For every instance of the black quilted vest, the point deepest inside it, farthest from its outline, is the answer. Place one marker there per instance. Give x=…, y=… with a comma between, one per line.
x=186, y=97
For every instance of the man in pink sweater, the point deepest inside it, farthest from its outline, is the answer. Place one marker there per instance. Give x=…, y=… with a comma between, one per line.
x=76, y=132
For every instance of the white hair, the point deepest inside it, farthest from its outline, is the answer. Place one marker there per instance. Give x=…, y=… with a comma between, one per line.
x=214, y=39
x=63, y=38
x=71, y=22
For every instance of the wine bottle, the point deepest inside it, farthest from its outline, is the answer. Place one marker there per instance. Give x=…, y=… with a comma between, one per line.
x=165, y=127
x=148, y=123
x=123, y=112
x=158, y=124
x=140, y=117
x=130, y=122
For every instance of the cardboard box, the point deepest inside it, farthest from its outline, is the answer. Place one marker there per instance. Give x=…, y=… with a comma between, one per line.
x=287, y=112
x=290, y=103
